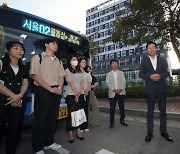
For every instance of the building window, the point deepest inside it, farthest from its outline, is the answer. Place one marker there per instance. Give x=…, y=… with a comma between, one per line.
x=88, y=18
x=111, y=9
x=106, y=26
x=111, y=30
x=101, y=27
x=87, y=25
x=111, y=56
x=103, y=64
x=112, y=47
x=118, y=54
x=106, y=11
x=101, y=42
x=106, y=56
x=122, y=62
x=92, y=17
x=106, y=48
x=92, y=23
x=92, y=37
x=101, y=13
x=96, y=29
x=129, y=61
x=101, y=57
x=136, y=60
x=111, y=16
x=118, y=45
x=96, y=35
x=97, y=15
x=116, y=7
x=121, y=5
x=96, y=58
x=131, y=52
x=144, y=49
x=130, y=75
x=101, y=50
x=111, y=24
x=87, y=32
x=96, y=22
x=101, y=34
x=106, y=33
x=123, y=53
x=92, y=30
x=101, y=20
x=106, y=18
x=107, y=64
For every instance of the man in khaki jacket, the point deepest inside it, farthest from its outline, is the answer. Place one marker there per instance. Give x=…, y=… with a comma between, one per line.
x=116, y=83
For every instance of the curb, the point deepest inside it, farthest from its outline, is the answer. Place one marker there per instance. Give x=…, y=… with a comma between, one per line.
x=143, y=113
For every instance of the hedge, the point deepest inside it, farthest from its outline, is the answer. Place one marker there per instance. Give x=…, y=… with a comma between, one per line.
x=137, y=91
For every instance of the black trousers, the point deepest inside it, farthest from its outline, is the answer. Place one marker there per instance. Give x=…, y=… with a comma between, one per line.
x=151, y=100
x=46, y=106
x=72, y=106
x=120, y=99
x=85, y=106
x=10, y=124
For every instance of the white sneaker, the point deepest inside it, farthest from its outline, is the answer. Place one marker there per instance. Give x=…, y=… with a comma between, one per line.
x=39, y=152
x=53, y=146
x=81, y=131
x=57, y=147
x=86, y=130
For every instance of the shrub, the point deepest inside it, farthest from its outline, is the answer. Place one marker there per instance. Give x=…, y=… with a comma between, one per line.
x=137, y=91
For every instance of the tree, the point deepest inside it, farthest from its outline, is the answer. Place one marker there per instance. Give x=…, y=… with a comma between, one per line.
x=147, y=20
x=93, y=50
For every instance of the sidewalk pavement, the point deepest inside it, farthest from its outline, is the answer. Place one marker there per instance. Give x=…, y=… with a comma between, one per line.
x=136, y=111
x=173, y=104
x=103, y=140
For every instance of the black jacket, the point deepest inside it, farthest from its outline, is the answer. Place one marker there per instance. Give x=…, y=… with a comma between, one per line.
x=12, y=81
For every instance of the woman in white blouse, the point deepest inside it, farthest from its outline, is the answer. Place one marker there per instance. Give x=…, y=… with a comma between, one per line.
x=73, y=95
x=87, y=79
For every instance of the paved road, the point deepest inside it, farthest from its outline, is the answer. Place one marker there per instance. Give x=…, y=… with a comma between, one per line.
x=119, y=140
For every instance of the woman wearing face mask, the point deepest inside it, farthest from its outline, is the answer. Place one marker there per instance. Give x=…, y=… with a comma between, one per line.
x=73, y=95
x=87, y=79
x=13, y=86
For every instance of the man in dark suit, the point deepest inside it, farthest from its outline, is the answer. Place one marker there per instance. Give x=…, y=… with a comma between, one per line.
x=154, y=70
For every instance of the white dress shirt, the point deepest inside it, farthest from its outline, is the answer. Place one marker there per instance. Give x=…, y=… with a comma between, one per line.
x=154, y=61
x=115, y=78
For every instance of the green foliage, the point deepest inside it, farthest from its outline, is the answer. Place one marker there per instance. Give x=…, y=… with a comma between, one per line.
x=137, y=91
x=149, y=20
x=102, y=92
x=94, y=48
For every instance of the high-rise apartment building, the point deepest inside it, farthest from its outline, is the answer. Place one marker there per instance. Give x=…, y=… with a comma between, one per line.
x=99, y=25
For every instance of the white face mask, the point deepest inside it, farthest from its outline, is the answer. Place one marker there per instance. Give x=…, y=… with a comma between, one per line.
x=74, y=63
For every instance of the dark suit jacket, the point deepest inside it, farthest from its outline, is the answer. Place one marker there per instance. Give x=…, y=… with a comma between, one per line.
x=146, y=70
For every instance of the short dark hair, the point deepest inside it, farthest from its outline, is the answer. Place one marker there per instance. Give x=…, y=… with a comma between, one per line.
x=151, y=42
x=47, y=41
x=113, y=60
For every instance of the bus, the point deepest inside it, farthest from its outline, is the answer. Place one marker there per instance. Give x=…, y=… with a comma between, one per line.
x=29, y=29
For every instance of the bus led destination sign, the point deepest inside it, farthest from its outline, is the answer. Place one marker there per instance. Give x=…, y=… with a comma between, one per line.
x=48, y=30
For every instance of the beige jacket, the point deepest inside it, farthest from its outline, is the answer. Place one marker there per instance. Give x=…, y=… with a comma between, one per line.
x=121, y=83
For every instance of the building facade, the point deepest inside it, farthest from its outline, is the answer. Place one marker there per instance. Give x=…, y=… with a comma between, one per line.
x=99, y=26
